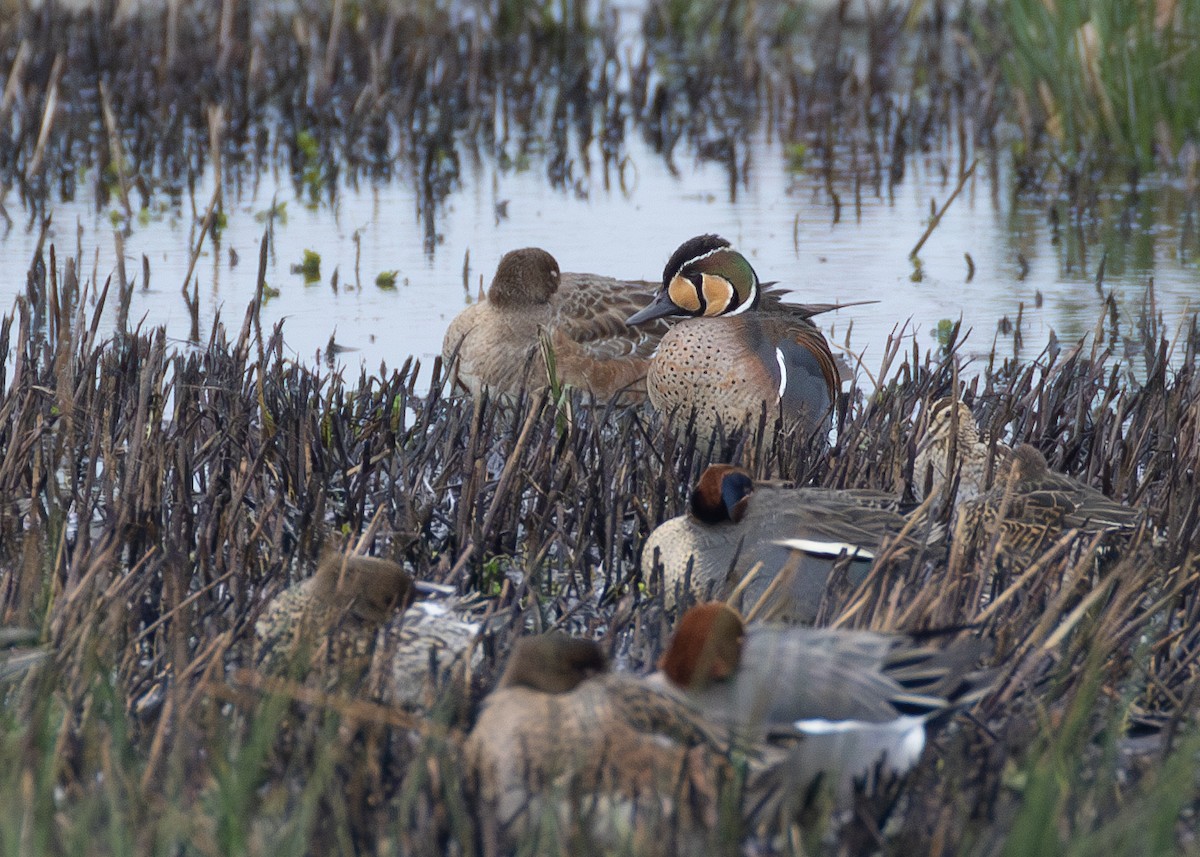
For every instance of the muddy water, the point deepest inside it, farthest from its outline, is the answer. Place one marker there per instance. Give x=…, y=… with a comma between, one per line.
x=783, y=220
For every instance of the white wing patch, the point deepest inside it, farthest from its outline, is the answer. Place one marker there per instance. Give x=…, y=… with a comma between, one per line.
x=898, y=741
x=430, y=609
x=819, y=548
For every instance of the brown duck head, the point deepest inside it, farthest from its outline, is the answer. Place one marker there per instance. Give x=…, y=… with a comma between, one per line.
x=369, y=587
x=553, y=663
x=525, y=277
x=721, y=494
x=706, y=647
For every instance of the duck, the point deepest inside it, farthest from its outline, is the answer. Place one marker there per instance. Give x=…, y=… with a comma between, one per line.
x=356, y=625
x=849, y=706
x=735, y=528
x=497, y=343
x=950, y=448
x=740, y=349
x=1030, y=506
x=564, y=744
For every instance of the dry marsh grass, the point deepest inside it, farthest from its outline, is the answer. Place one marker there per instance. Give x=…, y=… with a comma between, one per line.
x=154, y=498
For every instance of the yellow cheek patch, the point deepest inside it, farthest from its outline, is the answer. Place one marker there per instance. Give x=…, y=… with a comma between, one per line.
x=718, y=293
x=683, y=294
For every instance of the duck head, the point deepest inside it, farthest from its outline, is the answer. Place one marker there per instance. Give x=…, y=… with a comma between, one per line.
x=553, y=663
x=525, y=277
x=722, y=494
x=704, y=277
x=370, y=588
x=1028, y=462
x=706, y=648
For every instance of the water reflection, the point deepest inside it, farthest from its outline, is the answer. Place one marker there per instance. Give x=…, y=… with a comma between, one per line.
x=1029, y=254
x=823, y=162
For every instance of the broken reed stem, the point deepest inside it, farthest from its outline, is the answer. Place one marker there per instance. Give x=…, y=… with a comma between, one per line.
x=937, y=218
x=205, y=223
x=225, y=41
x=116, y=155
x=16, y=75
x=216, y=132
x=39, y=152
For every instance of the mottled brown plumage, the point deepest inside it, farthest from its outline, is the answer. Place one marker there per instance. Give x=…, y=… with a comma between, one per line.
x=498, y=340
x=353, y=627
x=1031, y=506
x=332, y=617
x=742, y=349
x=951, y=447
x=563, y=744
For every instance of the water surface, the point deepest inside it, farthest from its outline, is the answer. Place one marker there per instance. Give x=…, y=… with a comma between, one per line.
x=1032, y=258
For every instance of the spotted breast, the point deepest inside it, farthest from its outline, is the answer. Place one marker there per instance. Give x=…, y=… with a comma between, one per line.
x=741, y=351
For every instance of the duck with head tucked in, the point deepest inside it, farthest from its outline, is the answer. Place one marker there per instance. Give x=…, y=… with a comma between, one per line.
x=566, y=750
x=497, y=343
x=846, y=704
x=790, y=540
x=740, y=349
x=1030, y=506
x=355, y=624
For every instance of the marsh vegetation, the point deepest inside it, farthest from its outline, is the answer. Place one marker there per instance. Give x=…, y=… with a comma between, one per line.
x=154, y=493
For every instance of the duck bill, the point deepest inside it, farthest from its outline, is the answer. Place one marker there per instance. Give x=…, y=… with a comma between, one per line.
x=660, y=307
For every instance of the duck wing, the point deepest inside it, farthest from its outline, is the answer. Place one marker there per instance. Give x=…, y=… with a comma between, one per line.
x=794, y=675
x=1078, y=506
x=590, y=310
x=771, y=300
x=859, y=518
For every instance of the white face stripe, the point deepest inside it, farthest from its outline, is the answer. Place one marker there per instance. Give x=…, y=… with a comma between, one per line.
x=778, y=357
x=745, y=305
x=706, y=255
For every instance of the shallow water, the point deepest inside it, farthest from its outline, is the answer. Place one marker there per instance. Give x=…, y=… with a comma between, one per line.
x=783, y=221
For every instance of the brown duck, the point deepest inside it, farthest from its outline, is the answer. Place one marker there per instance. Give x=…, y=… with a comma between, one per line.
x=1031, y=506
x=354, y=624
x=563, y=745
x=498, y=342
